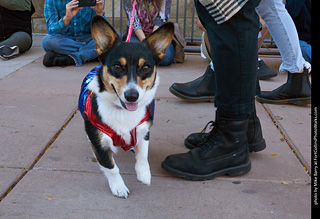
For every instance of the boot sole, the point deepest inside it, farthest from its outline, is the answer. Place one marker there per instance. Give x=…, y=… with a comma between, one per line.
x=256, y=147
x=266, y=77
x=192, y=99
x=296, y=101
x=232, y=171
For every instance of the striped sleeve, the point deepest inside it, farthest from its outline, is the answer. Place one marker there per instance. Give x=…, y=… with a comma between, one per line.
x=223, y=10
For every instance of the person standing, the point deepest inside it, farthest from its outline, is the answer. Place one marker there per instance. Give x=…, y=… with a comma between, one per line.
x=232, y=27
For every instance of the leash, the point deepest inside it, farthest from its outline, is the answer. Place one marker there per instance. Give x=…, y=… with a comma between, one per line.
x=131, y=22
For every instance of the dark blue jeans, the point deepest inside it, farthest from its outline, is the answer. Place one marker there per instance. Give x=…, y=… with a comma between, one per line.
x=234, y=53
x=81, y=48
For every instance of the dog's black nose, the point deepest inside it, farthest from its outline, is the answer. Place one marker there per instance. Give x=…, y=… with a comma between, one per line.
x=131, y=95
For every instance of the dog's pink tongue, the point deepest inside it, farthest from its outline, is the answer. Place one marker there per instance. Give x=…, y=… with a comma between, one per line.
x=132, y=106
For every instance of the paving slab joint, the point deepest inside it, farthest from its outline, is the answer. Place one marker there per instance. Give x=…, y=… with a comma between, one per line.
x=36, y=160
x=288, y=140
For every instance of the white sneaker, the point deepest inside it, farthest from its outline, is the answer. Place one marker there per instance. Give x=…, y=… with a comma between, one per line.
x=7, y=52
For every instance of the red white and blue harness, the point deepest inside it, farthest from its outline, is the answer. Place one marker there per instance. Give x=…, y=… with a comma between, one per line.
x=85, y=108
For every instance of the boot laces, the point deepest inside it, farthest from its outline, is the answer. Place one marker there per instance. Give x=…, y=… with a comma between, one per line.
x=214, y=135
x=211, y=123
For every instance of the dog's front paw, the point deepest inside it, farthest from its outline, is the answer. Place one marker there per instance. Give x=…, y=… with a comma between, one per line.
x=143, y=173
x=145, y=178
x=119, y=190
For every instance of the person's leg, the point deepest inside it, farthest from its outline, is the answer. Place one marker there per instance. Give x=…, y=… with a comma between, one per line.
x=21, y=39
x=80, y=49
x=306, y=50
x=87, y=50
x=297, y=89
x=234, y=55
x=234, y=52
x=61, y=44
x=58, y=49
x=284, y=33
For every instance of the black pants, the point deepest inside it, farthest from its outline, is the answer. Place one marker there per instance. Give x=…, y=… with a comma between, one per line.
x=234, y=54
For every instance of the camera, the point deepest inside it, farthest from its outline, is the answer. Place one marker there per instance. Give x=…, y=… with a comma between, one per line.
x=87, y=3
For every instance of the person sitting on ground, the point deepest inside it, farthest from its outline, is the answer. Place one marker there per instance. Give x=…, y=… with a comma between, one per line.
x=148, y=16
x=69, y=40
x=15, y=27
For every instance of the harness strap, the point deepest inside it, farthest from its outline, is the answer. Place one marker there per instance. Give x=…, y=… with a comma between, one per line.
x=117, y=139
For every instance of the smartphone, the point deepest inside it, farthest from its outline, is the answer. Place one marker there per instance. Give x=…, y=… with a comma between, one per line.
x=87, y=3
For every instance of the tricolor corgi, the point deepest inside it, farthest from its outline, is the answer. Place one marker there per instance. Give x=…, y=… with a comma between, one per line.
x=117, y=98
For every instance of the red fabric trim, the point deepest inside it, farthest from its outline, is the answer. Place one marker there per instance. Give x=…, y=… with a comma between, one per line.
x=117, y=139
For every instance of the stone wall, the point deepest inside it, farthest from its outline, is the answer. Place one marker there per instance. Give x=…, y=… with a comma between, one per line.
x=38, y=21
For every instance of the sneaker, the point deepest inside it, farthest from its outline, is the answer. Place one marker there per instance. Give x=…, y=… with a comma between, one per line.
x=7, y=52
x=264, y=71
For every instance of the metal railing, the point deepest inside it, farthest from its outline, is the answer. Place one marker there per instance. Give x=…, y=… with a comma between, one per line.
x=182, y=12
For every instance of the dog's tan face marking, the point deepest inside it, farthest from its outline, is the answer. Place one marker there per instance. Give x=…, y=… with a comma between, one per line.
x=141, y=62
x=147, y=83
x=123, y=61
x=109, y=80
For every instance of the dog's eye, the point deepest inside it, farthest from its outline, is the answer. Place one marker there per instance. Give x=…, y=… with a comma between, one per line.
x=117, y=67
x=145, y=68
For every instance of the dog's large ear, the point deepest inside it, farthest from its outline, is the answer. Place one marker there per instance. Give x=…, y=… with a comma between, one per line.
x=161, y=39
x=103, y=34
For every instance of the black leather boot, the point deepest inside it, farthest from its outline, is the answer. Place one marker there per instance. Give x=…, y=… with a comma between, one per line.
x=256, y=141
x=198, y=90
x=264, y=71
x=297, y=90
x=224, y=152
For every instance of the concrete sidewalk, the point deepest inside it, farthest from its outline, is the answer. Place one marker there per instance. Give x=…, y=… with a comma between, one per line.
x=47, y=169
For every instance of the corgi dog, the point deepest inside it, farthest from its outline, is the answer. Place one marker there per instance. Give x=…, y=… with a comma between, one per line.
x=117, y=98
